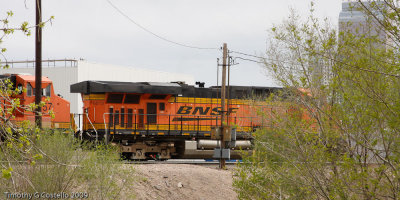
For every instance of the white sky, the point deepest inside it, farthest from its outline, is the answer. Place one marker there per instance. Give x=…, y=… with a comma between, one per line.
x=95, y=31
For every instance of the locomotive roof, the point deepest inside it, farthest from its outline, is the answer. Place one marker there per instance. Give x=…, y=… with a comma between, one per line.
x=90, y=87
x=26, y=77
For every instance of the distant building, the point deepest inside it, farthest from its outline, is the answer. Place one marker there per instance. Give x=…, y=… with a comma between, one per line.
x=355, y=21
x=63, y=73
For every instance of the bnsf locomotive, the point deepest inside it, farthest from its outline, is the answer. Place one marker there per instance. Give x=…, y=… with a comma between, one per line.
x=165, y=120
x=59, y=106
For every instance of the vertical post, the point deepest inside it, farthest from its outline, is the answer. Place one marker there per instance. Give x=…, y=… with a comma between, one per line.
x=223, y=92
x=38, y=69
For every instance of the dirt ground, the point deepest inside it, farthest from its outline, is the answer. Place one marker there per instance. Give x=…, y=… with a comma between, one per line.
x=182, y=182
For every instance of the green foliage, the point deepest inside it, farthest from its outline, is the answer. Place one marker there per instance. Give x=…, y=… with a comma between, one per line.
x=51, y=161
x=336, y=134
x=104, y=173
x=59, y=163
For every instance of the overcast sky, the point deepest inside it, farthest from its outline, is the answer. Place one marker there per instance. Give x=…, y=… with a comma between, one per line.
x=95, y=31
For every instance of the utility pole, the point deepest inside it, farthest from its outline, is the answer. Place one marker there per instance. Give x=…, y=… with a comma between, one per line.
x=223, y=110
x=38, y=66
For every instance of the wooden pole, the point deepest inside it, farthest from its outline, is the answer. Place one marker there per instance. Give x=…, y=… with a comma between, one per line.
x=38, y=66
x=223, y=110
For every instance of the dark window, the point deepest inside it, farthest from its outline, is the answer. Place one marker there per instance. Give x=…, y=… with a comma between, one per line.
x=111, y=118
x=129, y=125
x=115, y=98
x=161, y=106
x=116, y=117
x=122, y=117
x=132, y=99
x=29, y=90
x=158, y=96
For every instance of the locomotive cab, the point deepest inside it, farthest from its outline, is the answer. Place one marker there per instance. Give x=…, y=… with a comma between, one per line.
x=54, y=104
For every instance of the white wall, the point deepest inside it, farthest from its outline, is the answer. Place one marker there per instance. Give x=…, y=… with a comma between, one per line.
x=107, y=72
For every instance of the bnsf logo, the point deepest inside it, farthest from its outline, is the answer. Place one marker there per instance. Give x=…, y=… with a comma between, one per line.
x=185, y=110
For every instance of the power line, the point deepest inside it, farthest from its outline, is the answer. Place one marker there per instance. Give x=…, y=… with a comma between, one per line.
x=245, y=54
x=160, y=37
x=326, y=57
x=247, y=59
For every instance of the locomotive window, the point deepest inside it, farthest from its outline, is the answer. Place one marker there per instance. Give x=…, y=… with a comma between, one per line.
x=29, y=90
x=129, y=125
x=161, y=106
x=132, y=99
x=122, y=117
x=115, y=98
x=48, y=91
x=157, y=96
x=111, y=118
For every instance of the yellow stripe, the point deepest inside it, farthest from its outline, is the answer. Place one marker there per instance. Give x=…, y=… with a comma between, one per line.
x=94, y=97
x=61, y=125
x=205, y=100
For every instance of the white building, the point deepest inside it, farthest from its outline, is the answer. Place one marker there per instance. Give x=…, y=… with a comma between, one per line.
x=63, y=73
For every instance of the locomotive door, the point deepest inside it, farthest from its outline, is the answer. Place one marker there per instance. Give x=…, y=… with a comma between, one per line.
x=141, y=118
x=151, y=113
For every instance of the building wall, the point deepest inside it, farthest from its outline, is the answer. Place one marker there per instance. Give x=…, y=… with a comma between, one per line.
x=63, y=75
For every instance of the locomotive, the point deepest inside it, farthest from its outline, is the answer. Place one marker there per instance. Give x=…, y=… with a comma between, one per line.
x=59, y=106
x=152, y=120
x=149, y=120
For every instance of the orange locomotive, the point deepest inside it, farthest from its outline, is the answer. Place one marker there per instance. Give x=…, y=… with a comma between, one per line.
x=59, y=106
x=164, y=120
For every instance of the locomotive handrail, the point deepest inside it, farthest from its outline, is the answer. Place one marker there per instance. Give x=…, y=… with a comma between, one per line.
x=195, y=126
x=105, y=128
x=97, y=135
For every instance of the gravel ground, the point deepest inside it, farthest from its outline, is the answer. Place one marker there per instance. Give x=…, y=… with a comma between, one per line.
x=182, y=182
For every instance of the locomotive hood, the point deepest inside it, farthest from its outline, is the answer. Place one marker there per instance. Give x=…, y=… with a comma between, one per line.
x=88, y=87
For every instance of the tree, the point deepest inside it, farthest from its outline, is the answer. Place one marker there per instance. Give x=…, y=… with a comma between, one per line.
x=339, y=135
x=44, y=161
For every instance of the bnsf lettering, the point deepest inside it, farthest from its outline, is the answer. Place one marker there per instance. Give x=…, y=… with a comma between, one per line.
x=201, y=110
x=216, y=111
x=185, y=110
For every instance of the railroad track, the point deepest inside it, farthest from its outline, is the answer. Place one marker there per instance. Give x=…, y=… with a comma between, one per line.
x=182, y=161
